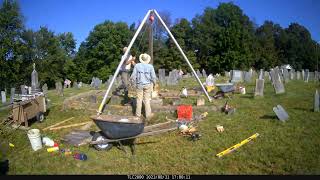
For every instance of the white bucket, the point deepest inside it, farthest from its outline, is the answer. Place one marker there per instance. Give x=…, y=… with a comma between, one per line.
x=243, y=90
x=35, y=139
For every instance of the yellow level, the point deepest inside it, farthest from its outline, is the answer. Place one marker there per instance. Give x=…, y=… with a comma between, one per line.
x=231, y=149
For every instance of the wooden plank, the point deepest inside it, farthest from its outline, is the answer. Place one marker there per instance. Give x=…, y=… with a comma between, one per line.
x=67, y=126
x=57, y=123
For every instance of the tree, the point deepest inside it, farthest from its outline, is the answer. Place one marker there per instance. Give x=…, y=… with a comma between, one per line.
x=11, y=27
x=67, y=43
x=101, y=53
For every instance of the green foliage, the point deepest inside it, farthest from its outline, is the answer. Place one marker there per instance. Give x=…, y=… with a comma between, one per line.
x=101, y=53
x=217, y=40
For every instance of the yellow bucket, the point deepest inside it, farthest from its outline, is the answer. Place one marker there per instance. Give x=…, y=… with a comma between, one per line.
x=210, y=88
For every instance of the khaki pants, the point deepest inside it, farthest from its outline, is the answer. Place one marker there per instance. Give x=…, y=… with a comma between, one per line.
x=144, y=95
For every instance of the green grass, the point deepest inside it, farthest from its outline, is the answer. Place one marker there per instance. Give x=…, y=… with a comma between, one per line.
x=290, y=147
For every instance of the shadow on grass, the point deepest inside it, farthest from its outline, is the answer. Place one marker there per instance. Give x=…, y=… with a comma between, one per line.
x=268, y=117
x=303, y=109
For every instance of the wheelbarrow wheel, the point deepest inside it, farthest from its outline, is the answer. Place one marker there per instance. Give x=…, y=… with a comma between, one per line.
x=98, y=136
x=40, y=117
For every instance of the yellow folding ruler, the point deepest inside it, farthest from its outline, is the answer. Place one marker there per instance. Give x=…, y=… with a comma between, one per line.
x=231, y=149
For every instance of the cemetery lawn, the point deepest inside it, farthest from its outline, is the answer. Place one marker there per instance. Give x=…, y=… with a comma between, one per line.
x=285, y=148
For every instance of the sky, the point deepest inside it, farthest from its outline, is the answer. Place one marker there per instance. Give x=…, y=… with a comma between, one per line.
x=80, y=16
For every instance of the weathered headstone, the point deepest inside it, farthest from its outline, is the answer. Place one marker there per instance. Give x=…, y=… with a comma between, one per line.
x=247, y=77
x=266, y=75
x=311, y=76
x=298, y=74
x=306, y=75
x=199, y=73
x=227, y=74
x=162, y=76
x=204, y=73
x=12, y=92
x=210, y=80
x=316, y=76
x=316, y=101
x=261, y=74
x=292, y=74
x=34, y=80
x=45, y=89
x=276, y=81
x=23, y=90
x=75, y=85
x=303, y=74
x=281, y=113
x=236, y=76
x=59, y=88
x=259, y=87
x=3, y=97
x=286, y=75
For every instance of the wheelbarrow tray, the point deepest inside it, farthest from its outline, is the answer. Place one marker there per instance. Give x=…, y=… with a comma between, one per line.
x=147, y=131
x=228, y=87
x=117, y=127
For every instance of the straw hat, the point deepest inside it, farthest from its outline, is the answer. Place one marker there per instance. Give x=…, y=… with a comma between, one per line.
x=144, y=58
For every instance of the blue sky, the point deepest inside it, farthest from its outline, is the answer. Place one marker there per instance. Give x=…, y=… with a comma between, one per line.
x=80, y=16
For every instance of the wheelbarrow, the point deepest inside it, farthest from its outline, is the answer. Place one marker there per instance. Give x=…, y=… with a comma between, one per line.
x=117, y=129
x=224, y=89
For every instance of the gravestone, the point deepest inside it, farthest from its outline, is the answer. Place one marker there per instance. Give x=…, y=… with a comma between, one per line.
x=204, y=73
x=3, y=97
x=59, y=88
x=172, y=79
x=298, y=74
x=261, y=74
x=236, y=76
x=311, y=76
x=210, y=80
x=281, y=113
x=266, y=75
x=292, y=74
x=162, y=76
x=227, y=74
x=316, y=101
x=80, y=84
x=316, y=76
x=12, y=92
x=306, y=75
x=247, y=77
x=276, y=81
x=45, y=89
x=34, y=80
x=23, y=90
x=75, y=85
x=259, y=87
x=199, y=73
x=302, y=72
x=286, y=75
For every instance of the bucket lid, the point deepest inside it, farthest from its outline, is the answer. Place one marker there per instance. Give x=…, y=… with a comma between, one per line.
x=33, y=131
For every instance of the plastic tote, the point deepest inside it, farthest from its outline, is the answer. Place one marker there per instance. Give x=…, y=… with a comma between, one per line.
x=35, y=139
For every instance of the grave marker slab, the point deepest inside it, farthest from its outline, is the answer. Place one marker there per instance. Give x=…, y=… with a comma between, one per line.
x=281, y=113
x=236, y=76
x=247, y=77
x=261, y=74
x=200, y=102
x=286, y=75
x=45, y=89
x=276, y=81
x=298, y=74
x=12, y=92
x=3, y=97
x=259, y=87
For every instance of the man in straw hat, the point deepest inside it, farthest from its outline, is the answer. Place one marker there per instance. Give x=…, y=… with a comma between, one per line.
x=124, y=71
x=144, y=77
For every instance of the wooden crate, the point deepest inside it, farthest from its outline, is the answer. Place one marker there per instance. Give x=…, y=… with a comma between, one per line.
x=23, y=111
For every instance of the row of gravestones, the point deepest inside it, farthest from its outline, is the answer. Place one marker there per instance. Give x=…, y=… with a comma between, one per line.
x=276, y=76
x=174, y=76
